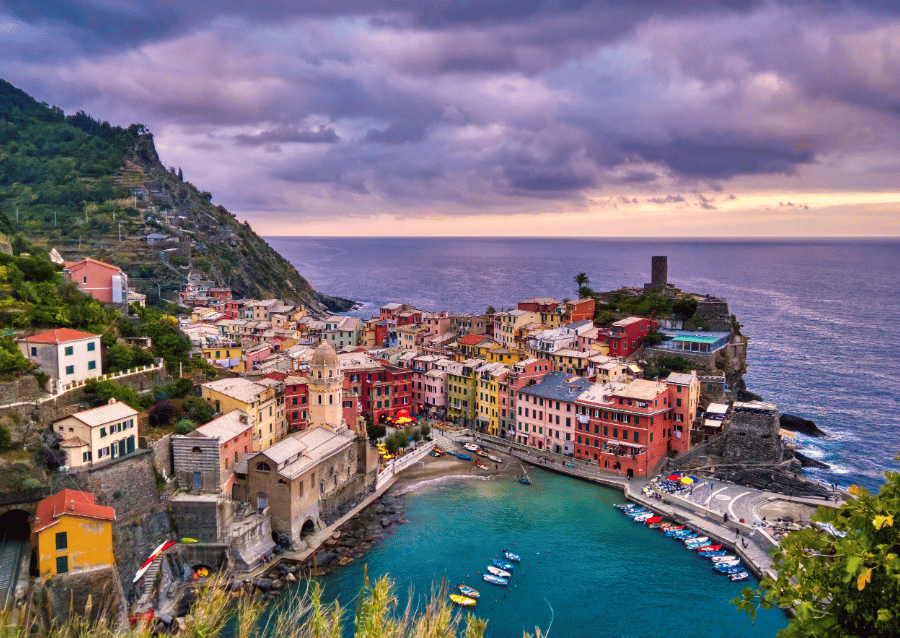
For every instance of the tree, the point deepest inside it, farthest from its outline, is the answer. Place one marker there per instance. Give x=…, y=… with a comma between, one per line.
x=844, y=581
x=374, y=430
x=5, y=439
x=161, y=414
x=425, y=428
x=417, y=434
x=585, y=292
x=184, y=426
x=581, y=279
x=490, y=310
x=685, y=307
x=395, y=442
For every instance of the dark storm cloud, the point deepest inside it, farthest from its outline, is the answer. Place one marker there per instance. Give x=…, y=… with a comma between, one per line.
x=321, y=135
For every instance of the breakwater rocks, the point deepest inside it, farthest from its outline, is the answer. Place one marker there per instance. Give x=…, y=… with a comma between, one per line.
x=806, y=461
x=795, y=423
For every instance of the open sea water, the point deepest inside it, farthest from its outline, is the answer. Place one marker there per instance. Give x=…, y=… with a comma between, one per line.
x=823, y=344
x=821, y=315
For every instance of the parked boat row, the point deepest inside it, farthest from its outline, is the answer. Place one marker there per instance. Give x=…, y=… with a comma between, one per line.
x=499, y=571
x=723, y=562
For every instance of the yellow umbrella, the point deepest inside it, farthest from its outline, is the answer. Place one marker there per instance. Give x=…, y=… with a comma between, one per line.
x=687, y=480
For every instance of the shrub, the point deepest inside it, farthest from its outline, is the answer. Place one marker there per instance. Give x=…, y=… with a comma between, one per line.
x=184, y=426
x=5, y=439
x=161, y=414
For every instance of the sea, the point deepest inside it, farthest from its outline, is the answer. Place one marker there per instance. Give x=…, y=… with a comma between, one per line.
x=820, y=317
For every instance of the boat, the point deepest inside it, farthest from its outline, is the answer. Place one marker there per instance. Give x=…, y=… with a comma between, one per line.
x=434, y=454
x=719, y=553
x=481, y=466
x=471, y=447
x=495, y=580
x=654, y=520
x=481, y=452
x=495, y=459
x=463, y=457
x=723, y=556
x=709, y=548
x=699, y=539
x=438, y=450
x=502, y=564
x=525, y=480
x=463, y=601
x=156, y=552
x=728, y=569
x=184, y=540
x=496, y=571
x=673, y=528
x=729, y=563
x=511, y=556
x=465, y=590
x=738, y=576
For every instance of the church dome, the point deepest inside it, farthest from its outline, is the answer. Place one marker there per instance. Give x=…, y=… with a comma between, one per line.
x=324, y=356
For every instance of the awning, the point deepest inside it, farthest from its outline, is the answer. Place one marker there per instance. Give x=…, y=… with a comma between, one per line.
x=687, y=480
x=712, y=423
x=675, y=477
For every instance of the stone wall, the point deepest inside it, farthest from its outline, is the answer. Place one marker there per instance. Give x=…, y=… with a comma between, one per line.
x=715, y=313
x=162, y=454
x=57, y=597
x=345, y=498
x=198, y=519
x=25, y=388
x=187, y=461
x=127, y=484
x=135, y=536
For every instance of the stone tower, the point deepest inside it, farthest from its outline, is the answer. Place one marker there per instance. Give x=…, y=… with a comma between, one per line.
x=659, y=272
x=326, y=395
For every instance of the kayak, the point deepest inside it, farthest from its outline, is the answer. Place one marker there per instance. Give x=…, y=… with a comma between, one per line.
x=156, y=552
x=464, y=601
x=187, y=541
x=465, y=590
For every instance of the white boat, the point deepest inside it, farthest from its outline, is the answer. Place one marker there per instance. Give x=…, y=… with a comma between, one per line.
x=495, y=580
x=496, y=571
x=471, y=447
x=719, y=559
x=495, y=459
x=698, y=541
x=739, y=576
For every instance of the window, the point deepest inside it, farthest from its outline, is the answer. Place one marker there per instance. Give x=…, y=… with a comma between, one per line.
x=62, y=564
x=102, y=431
x=678, y=401
x=92, y=365
x=33, y=351
x=263, y=467
x=637, y=437
x=70, y=350
x=62, y=540
x=615, y=433
x=70, y=369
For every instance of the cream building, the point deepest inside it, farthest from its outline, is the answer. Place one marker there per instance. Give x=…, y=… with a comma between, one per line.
x=98, y=434
x=261, y=403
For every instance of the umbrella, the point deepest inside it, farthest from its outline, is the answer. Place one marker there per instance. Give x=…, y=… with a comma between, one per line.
x=687, y=480
x=675, y=477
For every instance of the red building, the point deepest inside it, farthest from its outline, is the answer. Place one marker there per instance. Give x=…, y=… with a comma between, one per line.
x=539, y=304
x=627, y=429
x=626, y=335
x=408, y=317
x=580, y=310
x=234, y=308
x=104, y=282
x=296, y=400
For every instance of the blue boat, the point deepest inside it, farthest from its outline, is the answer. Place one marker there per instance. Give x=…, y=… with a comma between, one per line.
x=495, y=580
x=465, y=590
x=510, y=556
x=711, y=554
x=729, y=569
x=502, y=564
x=464, y=457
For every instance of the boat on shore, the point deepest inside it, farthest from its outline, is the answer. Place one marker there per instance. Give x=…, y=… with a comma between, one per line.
x=471, y=447
x=719, y=553
x=496, y=571
x=480, y=465
x=465, y=590
x=463, y=601
x=495, y=459
x=463, y=457
x=729, y=569
x=482, y=452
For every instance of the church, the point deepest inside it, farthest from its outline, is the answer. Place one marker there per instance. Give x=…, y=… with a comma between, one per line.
x=311, y=478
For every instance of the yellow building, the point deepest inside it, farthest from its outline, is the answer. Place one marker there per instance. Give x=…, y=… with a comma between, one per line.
x=224, y=357
x=461, y=378
x=72, y=533
x=487, y=395
x=261, y=403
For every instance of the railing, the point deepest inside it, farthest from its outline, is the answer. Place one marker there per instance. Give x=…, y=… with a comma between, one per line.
x=395, y=466
x=68, y=387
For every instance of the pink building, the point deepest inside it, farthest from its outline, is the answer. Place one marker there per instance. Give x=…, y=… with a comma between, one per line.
x=104, y=282
x=684, y=397
x=545, y=412
x=256, y=354
x=522, y=373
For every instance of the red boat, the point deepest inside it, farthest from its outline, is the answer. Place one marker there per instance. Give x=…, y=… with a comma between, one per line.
x=710, y=548
x=481, y=466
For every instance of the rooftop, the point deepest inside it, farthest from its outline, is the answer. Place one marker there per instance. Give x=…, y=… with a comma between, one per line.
x=238, y=388
x=681, y=378
x=69, y=502
x=559, y=386
x=112, y=411
x=59, y=335
x=225, y=427
x=642, y=390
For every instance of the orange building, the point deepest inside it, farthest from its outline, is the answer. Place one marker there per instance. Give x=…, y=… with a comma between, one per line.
x=102, y=281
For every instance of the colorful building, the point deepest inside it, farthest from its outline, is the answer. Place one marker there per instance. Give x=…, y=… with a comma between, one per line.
x=545, y=412
x=104, y=282
x=684, y=398
x=626, y=335
x=72, y=533
x=227, y=356
x=461, y=379
x=487, y=396
x=262, y=404
x=98, y=434
x=204, y=459
x=521, y=374
x=64, y=355
x=580, y=310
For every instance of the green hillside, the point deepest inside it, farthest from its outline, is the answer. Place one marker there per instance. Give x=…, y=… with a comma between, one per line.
x=88, y=188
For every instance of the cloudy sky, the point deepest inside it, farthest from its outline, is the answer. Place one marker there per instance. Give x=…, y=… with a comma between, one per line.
x=496, y=117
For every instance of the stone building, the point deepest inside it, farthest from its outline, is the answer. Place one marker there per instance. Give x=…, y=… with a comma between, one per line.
x=311, y=477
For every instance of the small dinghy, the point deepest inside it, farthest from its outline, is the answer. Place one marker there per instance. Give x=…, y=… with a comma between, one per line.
x=525, y=480
x=728, y=569
x=495, y=580
x=673, y=528
x=495, y=459
x=496, y=571
x=738, y=576
x=510, y=556
x=729, y=563
x=502, y=564
x=481, y=466
x=697, y=541
x=709, y=548
x=463, y=601
x=471, y=447
x=723, y=556
x=465, y=590
x=719, y=553
x=481, y=452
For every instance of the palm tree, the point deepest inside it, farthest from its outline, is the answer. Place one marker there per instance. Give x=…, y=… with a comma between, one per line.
x=584, y=292
x=581, y=279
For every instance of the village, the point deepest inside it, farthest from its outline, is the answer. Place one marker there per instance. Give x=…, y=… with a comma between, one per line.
x=298, y=403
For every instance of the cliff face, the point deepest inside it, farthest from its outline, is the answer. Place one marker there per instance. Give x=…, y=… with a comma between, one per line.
x=91, y=189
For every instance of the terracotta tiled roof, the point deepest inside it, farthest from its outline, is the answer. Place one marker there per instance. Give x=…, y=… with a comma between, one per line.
x=470, y=340
x=69, y=502
x=77, y=265
x=59, y=335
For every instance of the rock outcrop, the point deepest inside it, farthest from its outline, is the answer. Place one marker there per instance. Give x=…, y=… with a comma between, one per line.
x=795, y=423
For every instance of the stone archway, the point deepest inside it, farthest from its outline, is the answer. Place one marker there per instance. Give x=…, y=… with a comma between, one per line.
x=309, y=528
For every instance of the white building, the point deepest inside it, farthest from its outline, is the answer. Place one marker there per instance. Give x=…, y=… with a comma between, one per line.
x=65, y=355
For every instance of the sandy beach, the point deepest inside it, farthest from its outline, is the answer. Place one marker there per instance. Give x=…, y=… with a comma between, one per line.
x=448, y=467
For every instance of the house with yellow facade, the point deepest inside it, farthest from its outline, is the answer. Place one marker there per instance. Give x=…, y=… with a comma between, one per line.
x=222, y=356
x=72, y=533
x=487, y=395
x=262, y=404
x=461, y=378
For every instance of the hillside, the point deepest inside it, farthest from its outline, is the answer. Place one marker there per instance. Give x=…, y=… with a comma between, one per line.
x=88, y=188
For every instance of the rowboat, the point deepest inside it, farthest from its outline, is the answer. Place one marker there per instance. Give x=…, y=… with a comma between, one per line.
x=465, y=590
x=525, y=480
x=723, y=556
x=481, y=452
x=496, y=571
x=728, y=569
x=495, y=580
x=729, y=563
x=481, y=466
x=495, y=459
x=502, y=564
x=511, y=556
x=471, y=447
x=673, y=528
x=464, y=601
x=719, y=553
x=738, y=576
x=464, y=457
x=698, y=540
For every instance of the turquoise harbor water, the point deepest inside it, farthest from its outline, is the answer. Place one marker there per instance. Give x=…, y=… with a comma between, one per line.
x=602, y=574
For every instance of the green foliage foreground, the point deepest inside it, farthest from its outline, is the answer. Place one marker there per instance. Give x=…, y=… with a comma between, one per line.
x=845, y=583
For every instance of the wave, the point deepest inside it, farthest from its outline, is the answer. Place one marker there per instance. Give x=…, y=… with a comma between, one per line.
x=441, y=479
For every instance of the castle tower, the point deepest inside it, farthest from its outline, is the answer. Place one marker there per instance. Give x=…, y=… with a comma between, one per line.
x=659, y=272
x=326, y=383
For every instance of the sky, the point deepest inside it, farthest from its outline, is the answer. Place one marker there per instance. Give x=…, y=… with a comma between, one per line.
x=729, y=118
